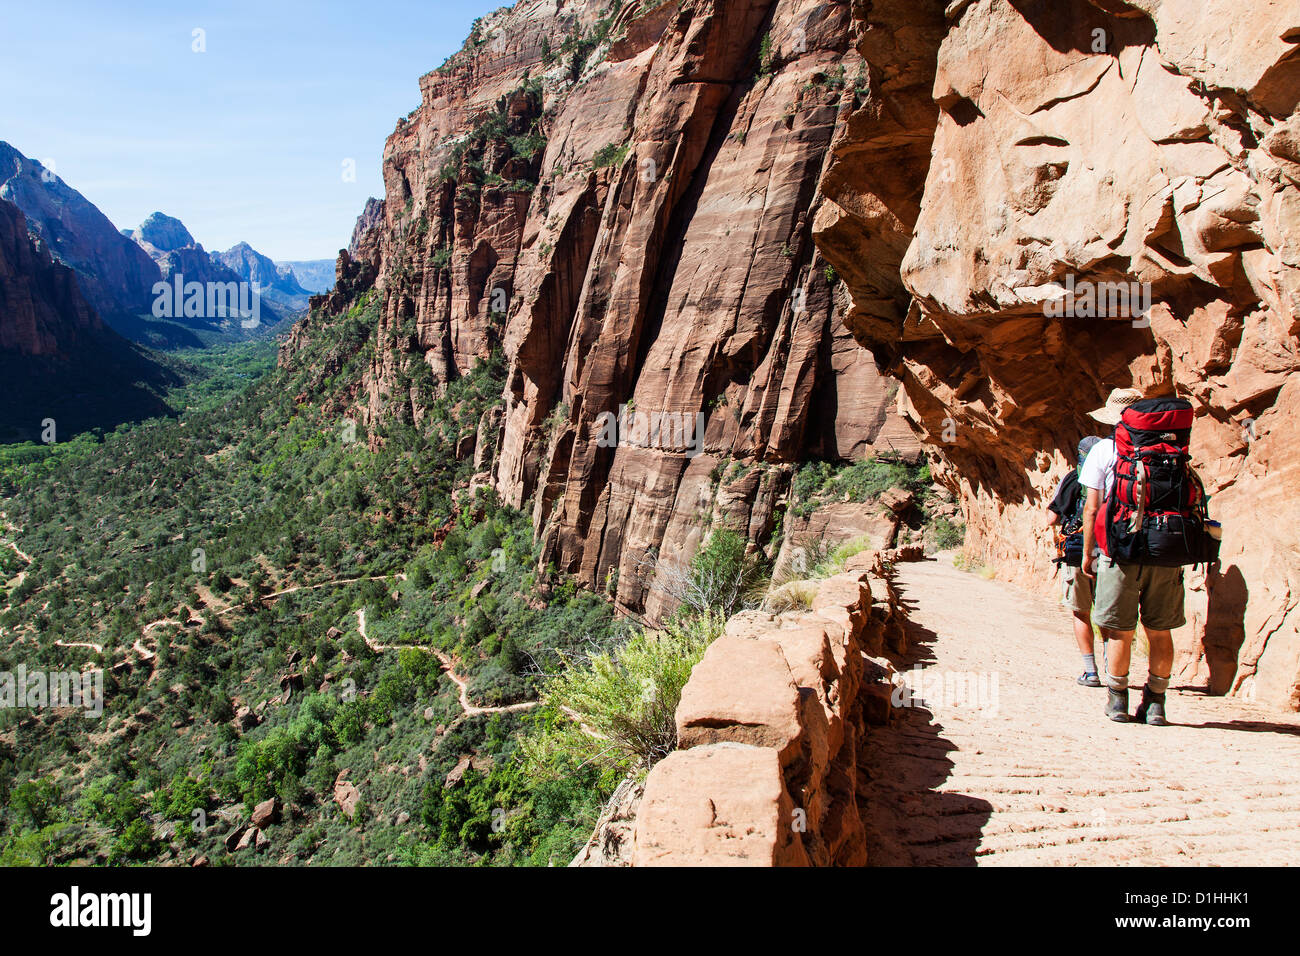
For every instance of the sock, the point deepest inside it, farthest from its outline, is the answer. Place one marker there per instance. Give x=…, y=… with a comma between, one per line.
x=1117, y=683
x=1090, y=663
x=1157, y=685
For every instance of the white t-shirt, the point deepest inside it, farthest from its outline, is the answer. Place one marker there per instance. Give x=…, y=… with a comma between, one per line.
x=1099, y=466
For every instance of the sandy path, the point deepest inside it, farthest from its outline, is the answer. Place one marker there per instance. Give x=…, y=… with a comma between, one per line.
x=21, y=576
x=471, y=710
x=1038, y=776
x=88, y=645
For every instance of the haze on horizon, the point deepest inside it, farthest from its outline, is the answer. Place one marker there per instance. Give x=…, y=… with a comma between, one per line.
x=244, y=141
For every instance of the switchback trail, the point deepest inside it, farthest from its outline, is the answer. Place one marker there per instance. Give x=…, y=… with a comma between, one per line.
x=1035, y=775
x=469, y=709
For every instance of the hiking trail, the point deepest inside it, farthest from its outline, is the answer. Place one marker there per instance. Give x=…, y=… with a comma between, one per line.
x=462, y=684
x=1037, y=776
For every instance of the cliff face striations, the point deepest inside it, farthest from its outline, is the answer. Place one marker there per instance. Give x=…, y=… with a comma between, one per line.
x=621, y=198
x=744, y=210
x=1143, y=148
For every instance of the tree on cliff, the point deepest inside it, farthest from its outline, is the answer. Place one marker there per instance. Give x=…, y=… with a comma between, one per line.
x=720, y=577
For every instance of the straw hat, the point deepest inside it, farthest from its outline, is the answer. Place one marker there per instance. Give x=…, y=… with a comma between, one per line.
x=1120, y=399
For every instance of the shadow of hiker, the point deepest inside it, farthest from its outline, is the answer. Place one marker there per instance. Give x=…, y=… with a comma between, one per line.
x=1253, y=726
x=901, y=764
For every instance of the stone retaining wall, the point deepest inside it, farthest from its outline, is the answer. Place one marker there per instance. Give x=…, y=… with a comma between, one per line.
x=769, y=729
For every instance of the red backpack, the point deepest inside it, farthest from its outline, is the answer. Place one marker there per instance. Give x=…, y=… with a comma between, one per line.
x=1156, y=511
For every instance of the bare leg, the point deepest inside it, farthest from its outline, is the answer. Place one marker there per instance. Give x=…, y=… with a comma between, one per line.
x=1083, y=632
x=1119, y=651
x=1160, y=655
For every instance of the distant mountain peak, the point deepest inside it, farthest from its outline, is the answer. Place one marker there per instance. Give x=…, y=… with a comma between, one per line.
x=165, y=233
x=115, y=274
x=252, y=266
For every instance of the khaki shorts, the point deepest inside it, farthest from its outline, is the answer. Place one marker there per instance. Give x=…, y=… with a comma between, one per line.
x=1125, y=591
x=1076, y=590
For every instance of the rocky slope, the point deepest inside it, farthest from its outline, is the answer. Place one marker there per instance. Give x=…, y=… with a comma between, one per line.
x=621, y=197
x=58, y=360
x=115, y=274
x=1149, y=141
x=160, y=234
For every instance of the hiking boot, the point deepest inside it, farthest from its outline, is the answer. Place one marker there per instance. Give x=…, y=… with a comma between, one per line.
x=1117, y=705
x=1089, y=680
x=1152, y=709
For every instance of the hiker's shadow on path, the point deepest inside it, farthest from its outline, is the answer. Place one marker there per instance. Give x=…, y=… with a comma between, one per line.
x=909, y=822
x=1252, y=726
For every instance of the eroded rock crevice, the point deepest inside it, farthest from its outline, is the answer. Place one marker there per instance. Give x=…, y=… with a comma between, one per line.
x=621, y=198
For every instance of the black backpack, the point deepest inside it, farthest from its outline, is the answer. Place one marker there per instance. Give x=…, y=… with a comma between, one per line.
x=1069, y=537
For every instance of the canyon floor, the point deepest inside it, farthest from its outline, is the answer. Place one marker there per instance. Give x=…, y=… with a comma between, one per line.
x=1027, y=771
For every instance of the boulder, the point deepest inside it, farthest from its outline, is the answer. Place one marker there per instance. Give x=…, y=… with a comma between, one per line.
x=346, y=795
x=266, y=813
x=233, y=838
x=245, y=719
x=762, y=709
x=717, y=805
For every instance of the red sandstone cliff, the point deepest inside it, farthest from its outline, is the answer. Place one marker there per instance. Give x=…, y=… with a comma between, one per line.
x=1151, y=141
x=58, y=362
x=626, y=203
x=621, y=196
x=42, y=311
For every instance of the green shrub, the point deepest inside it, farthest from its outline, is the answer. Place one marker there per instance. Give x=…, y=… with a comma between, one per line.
x=944, y=535
x=528, y=145
x=36, y=804
x=610, y=155
x=860, y=481
x=621, y=704
x=765, y=55
x=722, y=575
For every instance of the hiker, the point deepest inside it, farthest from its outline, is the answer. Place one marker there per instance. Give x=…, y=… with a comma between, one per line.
x=1145, y=510
x=1066, y=511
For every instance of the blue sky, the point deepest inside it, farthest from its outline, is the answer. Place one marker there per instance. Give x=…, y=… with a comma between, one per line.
x=245, y=141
